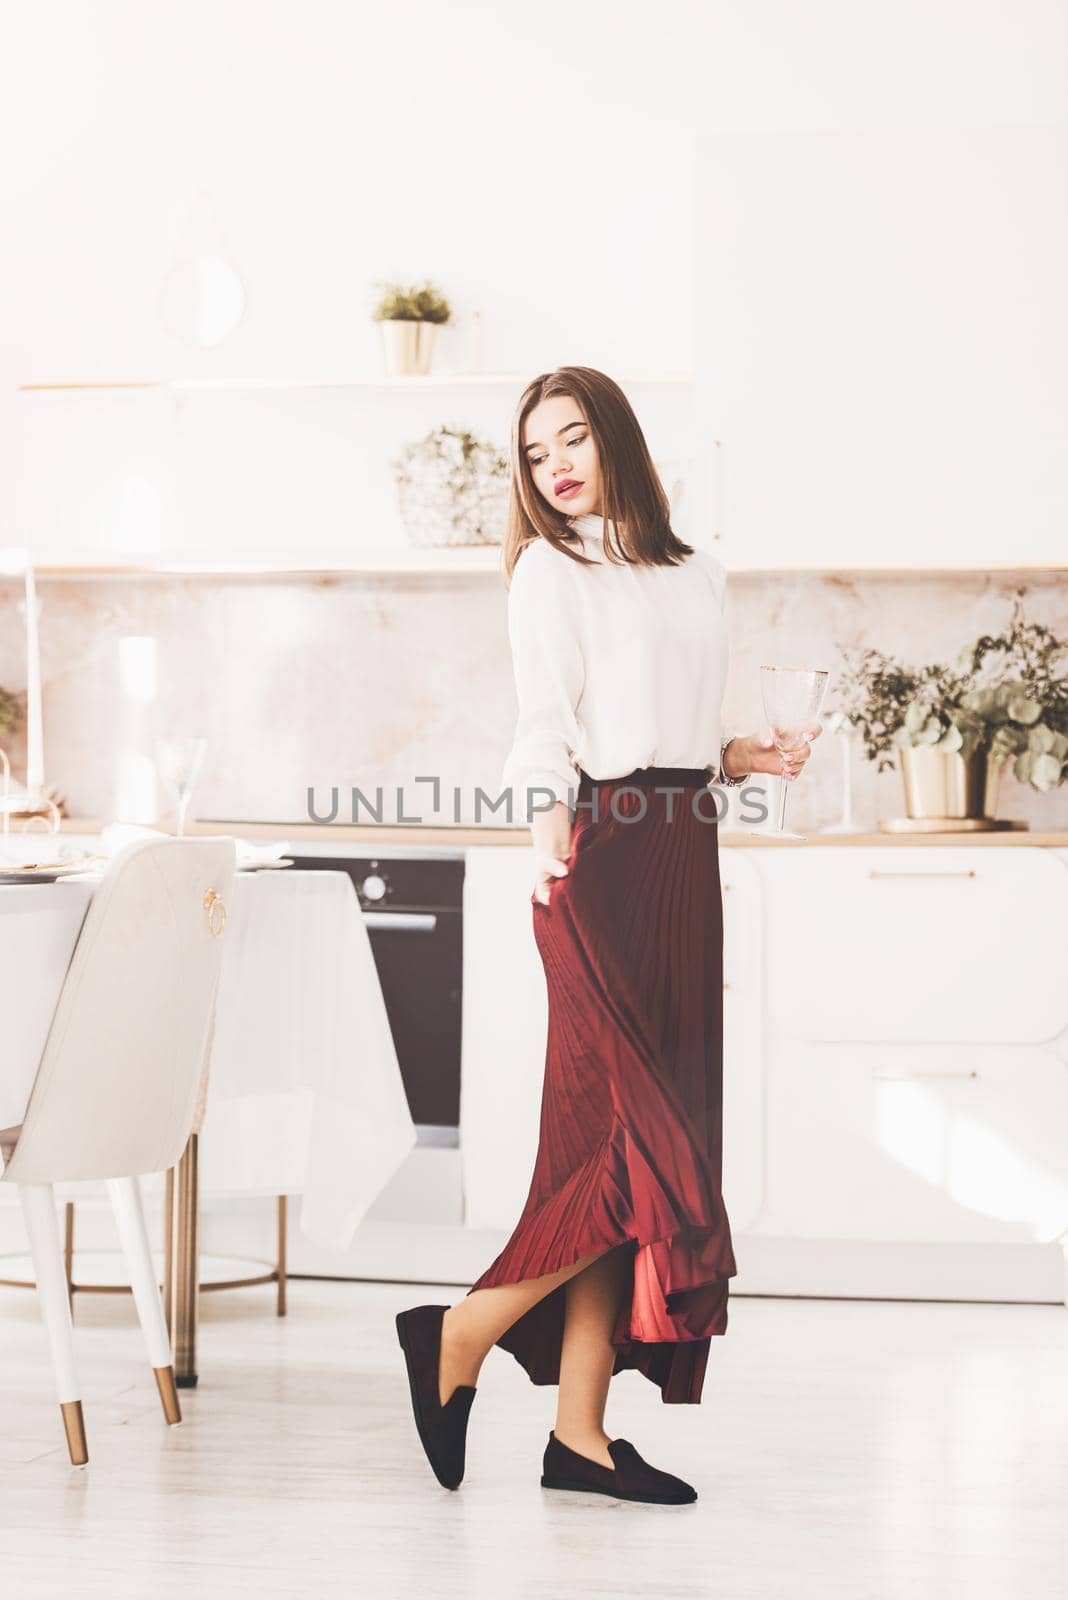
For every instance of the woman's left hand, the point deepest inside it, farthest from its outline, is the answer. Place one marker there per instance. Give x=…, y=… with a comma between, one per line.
x=756, y=752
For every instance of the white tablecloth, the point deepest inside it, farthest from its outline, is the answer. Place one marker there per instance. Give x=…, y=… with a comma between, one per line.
x=305, y=1094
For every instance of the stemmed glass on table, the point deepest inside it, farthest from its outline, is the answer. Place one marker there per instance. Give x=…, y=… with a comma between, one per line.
x=792, y=698
x=179, y=759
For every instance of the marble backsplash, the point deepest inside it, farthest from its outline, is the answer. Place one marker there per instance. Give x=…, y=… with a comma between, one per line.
x=376, y=681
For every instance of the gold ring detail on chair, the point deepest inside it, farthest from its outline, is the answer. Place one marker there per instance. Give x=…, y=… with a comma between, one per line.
x=215, y=906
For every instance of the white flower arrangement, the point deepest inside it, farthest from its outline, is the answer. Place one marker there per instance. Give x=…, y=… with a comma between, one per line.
x=452, y=489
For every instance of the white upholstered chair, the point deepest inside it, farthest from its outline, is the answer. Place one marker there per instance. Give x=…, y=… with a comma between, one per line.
x=116, y=1090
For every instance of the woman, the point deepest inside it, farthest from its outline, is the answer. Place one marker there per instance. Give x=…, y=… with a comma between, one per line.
x=622, y=1255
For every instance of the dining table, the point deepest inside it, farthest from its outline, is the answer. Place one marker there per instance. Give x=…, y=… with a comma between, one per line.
x=301, y=1090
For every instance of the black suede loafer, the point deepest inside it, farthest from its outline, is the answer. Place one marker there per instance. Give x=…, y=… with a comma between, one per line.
x=442, y=1428
x=632, y=1478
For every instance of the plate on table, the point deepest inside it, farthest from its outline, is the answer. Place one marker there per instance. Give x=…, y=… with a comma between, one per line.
x=45, y=873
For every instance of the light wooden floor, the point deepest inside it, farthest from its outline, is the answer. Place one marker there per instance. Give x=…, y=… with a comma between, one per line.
x=853, y=1449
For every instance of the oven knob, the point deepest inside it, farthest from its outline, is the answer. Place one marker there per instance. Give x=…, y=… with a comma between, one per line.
x=373, y=887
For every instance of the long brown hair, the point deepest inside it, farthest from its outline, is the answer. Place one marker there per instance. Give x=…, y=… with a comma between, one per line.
x=632, y=495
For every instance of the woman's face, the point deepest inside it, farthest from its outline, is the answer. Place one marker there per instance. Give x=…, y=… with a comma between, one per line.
x=560, y=449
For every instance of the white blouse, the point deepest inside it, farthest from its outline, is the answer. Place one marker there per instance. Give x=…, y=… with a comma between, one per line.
x=617, y=666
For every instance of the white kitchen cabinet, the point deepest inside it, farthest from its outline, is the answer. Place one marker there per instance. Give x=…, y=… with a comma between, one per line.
x=744, y=1154
x=895, y=1064
x=917, y=1045
x=505, y=1026
x=882, y=346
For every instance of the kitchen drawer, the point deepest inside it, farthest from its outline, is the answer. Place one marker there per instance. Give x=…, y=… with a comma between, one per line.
x=961, y=1143
x=918, y=943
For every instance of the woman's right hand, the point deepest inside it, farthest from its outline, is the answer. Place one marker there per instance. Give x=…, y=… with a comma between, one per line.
x=756, y=752
x=552, y=846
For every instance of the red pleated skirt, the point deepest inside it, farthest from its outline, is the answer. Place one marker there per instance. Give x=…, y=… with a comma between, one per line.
x=631, y=1134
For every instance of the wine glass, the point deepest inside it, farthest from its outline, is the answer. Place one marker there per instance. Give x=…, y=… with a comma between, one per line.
x=179, y=758
x=792, y=698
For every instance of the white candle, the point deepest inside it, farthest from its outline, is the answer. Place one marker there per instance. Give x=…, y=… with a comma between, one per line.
x=34, y=727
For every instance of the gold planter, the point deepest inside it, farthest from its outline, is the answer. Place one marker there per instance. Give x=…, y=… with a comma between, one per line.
x=407, y=347
x=940, y=785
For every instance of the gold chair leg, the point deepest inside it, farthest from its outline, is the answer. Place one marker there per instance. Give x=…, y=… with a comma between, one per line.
x=281, y=1308
x=168, y=1394
x=68, y=1252
x=185, y=1268
x=74, y=1428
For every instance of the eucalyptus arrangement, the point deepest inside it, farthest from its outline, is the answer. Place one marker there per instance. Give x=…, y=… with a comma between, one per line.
x=452, y=487
x=1005, y=695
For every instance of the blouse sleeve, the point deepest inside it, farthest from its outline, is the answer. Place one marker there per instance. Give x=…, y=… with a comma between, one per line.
x=549, y=671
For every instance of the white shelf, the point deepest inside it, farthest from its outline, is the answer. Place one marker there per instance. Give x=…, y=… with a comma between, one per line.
x=429, y=381
x=397, y=561
x=456, y=560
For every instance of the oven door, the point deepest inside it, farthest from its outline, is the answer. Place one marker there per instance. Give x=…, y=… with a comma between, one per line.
x=419, y=956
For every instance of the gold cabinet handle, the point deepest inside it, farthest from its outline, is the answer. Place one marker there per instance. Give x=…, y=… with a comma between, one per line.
x=215, y=906
x=874, y=873
x=921, y=1077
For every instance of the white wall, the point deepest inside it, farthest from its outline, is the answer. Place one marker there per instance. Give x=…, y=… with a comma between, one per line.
x=537, y=161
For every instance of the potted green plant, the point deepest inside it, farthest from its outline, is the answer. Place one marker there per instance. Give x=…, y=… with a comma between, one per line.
x=452, y=488
x=409, y=317
x=951, y=729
